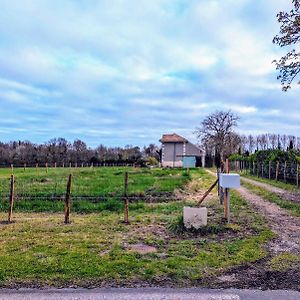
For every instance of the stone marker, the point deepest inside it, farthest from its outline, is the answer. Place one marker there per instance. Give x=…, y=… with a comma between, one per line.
x=194, y=217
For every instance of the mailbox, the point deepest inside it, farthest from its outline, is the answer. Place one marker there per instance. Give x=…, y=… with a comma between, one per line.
x=230, y=181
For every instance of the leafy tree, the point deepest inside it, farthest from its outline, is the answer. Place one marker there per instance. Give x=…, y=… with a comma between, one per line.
x=288, y=65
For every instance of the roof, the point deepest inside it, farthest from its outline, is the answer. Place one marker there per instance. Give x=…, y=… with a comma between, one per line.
x=172, y=138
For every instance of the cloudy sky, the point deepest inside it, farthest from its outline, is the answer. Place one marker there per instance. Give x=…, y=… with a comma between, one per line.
x=125, y=71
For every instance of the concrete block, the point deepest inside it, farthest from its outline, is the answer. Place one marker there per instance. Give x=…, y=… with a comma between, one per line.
x=194, y=217
x=230, y=181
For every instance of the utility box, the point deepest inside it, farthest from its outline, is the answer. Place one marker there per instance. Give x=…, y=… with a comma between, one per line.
x=230, y=181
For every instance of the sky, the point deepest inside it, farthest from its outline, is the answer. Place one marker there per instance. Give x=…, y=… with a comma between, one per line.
x=119, y=72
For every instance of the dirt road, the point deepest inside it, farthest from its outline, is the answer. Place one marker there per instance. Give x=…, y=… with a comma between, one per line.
x=286, y=227
x=287, y=195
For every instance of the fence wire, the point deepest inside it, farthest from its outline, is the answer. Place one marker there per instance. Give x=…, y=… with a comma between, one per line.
x=92, y=184
x=287, y=172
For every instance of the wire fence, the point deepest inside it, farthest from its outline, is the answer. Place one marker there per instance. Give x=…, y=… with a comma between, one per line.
x=287, y=172
x=92, y=184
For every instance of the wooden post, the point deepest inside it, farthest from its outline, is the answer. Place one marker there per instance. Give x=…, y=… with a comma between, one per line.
x=284, y=171
x=11, y=197
x=81, y=165
x=269, y=170
x=227, y=169
x=297, y=174
x=55, y=165
x=126, y=218
x=46, y=167
x=12, y=168
x=24, y=167
x=277, y=171
x=226, y=192
x=70, y=165
x=68, y=200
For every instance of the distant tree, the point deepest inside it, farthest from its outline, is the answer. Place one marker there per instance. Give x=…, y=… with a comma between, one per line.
x=216, y=130
x=291, y=145
x=251, y=143
x=151, y=151
x=288, y=65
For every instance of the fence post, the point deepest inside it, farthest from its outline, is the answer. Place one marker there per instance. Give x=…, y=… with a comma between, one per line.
x=284, y=171
x=24, y=167
x=297, y=174
x=11, y=197
x=12, y=168
x=269, y=170
x=67, y=200
x=277, y=170
x=55, y=165
x=46, y=167
x=126, y=218
x=226, y=192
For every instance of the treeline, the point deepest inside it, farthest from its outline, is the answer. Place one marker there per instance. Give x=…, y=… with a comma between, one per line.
x=266, y=141
x=256, y=148
x=61, y=151
x=266, y=148
x=247, y=144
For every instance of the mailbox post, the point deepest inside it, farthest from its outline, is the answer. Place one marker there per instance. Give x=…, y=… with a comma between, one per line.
x=229, y=181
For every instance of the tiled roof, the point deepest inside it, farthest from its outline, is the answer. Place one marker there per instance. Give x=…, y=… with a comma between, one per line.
x=172, y=138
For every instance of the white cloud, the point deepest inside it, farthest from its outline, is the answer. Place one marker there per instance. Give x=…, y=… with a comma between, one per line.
x=93, y=68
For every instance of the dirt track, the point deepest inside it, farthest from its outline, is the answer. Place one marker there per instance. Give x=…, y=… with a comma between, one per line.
x=259, y=274
x=286, y=227
x=290, y=196
x=280, y=221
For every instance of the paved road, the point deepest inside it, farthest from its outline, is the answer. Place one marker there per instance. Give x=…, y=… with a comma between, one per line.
x=146, y=294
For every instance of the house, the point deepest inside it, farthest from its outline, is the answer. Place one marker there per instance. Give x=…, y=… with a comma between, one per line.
x=176, y=151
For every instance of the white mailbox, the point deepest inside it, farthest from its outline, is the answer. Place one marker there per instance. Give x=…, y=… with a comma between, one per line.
x=230, y=181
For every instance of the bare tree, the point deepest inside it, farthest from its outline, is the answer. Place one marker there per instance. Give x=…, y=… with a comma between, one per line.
x=251, y=143
x=216, y=130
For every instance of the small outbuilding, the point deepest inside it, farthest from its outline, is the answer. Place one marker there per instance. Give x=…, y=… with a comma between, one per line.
x=177, y=151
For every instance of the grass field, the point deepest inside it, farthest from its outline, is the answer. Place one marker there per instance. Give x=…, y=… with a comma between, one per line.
x=93, y=189
x=96, y=248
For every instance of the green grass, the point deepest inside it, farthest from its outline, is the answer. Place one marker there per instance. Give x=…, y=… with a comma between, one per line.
x=279, y=184
x=93, y=189
x=93, y=250
x=285, y=261
x=292, y=207
x=93, y=181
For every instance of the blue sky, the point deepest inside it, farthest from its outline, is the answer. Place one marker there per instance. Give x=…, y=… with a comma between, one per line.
x=123, y=72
